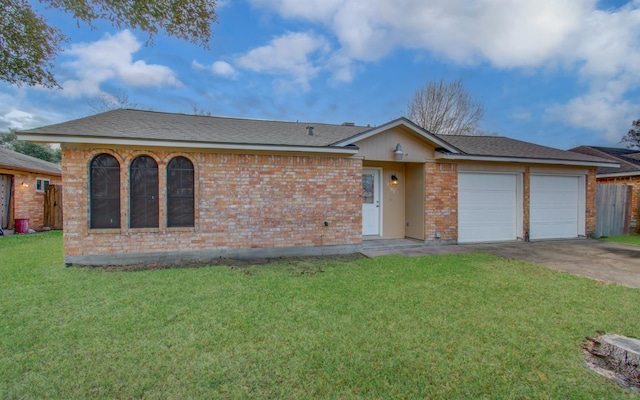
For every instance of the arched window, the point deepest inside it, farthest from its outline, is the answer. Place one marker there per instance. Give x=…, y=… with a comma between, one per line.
x=143, y=179
x=105, y=192
x=180, y=192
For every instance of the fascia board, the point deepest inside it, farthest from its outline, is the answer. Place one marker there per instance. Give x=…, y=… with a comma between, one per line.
x=618, y=174
x=449, y=156
x=184, y=144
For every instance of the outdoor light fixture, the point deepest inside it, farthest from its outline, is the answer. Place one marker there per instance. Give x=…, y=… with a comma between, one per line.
x=398, y=153
x=25, y=184
x=394, y=180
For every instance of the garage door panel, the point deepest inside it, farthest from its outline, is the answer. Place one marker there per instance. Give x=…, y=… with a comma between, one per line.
x=486, y=207
x=554, y=206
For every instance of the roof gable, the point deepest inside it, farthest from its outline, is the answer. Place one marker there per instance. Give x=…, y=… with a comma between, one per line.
x=404, y=122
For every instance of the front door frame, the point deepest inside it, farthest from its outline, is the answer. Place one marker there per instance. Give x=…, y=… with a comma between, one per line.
x=376, y=229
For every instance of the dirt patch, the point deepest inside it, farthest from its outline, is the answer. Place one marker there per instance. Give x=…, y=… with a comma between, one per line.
x=298, y=265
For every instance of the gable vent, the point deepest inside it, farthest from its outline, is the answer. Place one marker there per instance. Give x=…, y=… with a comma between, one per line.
x=310, y=130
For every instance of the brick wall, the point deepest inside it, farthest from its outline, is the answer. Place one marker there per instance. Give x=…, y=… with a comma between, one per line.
x=526, y=211
x=441, y=201
x=242, y=202
x=27, y=203
x=591, y=203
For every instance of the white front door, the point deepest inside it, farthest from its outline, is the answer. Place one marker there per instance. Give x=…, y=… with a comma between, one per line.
x=371, y=201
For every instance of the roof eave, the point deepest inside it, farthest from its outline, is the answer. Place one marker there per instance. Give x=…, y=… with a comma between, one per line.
x=331, y=149
x=618, y=174
x=32, y=170
x=469, y=157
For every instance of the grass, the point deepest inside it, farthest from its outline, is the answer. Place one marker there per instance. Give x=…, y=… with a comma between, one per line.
x=628, y=239
x=459, y=326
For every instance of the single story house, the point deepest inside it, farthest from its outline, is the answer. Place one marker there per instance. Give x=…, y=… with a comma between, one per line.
x=23, y=180
x=142, y=186
x=627, y=174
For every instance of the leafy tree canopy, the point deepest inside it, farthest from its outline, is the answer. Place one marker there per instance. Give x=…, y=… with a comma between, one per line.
x=42, y=151
x=632, y=138
x=29, y=45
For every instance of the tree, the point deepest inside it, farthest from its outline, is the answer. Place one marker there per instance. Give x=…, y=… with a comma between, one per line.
x=446, y=108
x=201, y=112
x=112, y=100
x=29, y=45
x=9, y=141
x=632, y=138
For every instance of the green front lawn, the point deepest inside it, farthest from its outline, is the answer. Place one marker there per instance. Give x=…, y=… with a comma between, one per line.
x=629, y=239
x=460, y=326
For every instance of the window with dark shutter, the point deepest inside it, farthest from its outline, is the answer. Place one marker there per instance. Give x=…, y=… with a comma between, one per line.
x=180, y=204
x=105, y=192
x=143, y=179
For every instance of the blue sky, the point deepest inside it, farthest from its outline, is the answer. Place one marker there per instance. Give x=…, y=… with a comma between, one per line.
x=560, y=73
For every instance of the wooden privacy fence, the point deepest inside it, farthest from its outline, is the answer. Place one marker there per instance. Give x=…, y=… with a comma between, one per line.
x=53, y=207
x=613, y=209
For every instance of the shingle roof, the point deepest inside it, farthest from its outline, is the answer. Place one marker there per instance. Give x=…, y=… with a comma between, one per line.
x=138, y=124
x=125, y=124
x=16, y=161
x=498, y=146
x=628, y=159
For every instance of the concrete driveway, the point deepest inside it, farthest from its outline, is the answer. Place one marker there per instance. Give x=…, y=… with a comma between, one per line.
x=595, y=259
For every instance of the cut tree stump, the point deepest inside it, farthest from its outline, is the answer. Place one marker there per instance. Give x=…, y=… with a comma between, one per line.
x=616, y=357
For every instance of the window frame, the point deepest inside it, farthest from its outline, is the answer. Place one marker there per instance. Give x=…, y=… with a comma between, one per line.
x=150, y=200
x=40, y=184
x=191, y=219
x=93, y=199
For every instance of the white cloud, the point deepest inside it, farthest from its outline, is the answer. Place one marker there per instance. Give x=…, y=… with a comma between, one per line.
x=17, y=119
x=16, y=112
x=287, y=56
x=219, y=68
x=602, y=47
x=112, y=58
x=599, y=111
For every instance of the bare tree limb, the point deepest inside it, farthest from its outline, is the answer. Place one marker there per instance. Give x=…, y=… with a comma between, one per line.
x=446, y=108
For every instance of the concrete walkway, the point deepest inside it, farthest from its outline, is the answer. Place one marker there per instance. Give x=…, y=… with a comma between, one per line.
x=595, y=259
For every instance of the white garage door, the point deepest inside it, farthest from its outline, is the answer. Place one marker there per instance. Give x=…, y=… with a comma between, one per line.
x=487, y=209
x=554, y=206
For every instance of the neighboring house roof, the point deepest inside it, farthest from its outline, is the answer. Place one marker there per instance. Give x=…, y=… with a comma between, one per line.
x=137, y=127
x=20, y=162
x=628, y=159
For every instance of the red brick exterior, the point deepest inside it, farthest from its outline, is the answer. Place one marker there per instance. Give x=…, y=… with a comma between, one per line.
x=441, y=202
x=526, y=198
x=26, y=202
x=590, y=204
x=243, y=201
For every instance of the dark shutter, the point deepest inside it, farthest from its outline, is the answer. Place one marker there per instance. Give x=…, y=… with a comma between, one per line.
x=143, y=180
x=180, y=204
x=105, y=192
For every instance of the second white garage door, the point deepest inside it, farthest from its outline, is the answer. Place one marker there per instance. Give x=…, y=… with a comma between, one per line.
x=487, y=207
x=556, y=206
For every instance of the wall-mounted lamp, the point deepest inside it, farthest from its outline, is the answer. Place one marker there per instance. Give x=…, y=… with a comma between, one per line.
x=394, y=180
x=398, y=153
x=25, y=184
